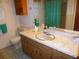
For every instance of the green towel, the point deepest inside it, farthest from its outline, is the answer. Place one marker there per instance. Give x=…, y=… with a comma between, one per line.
x=3, y=27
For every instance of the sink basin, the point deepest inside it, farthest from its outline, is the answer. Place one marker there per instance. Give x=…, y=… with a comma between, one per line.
x=43, y=36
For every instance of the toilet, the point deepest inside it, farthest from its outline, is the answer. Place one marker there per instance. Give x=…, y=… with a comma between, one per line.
x=15, y=42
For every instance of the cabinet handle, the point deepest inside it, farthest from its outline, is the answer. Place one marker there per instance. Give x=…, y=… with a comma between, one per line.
x=36, y=52
x=40, y=54
x=50, y=57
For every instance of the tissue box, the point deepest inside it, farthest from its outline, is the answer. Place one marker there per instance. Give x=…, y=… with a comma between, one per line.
x=3, y=27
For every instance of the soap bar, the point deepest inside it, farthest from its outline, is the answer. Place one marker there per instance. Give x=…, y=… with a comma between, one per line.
x=3, y=27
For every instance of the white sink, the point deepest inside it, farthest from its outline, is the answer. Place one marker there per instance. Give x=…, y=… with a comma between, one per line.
x=43, y=36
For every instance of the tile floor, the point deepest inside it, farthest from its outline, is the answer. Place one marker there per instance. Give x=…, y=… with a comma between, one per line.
x=11, y=53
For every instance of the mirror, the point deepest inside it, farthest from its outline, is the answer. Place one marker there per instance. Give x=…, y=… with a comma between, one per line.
x=56, y=13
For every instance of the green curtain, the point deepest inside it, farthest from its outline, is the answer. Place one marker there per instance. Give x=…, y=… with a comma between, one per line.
x=53, y=12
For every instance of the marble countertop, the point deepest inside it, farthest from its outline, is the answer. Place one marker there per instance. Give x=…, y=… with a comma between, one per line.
x=60, y=43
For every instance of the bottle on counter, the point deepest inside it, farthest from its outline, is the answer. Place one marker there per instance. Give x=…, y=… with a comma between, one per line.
x=36, y=23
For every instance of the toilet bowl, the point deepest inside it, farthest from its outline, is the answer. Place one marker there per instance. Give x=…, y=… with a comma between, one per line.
x=15, y=42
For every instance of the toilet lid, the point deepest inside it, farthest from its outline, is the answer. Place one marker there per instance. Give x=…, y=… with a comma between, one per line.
x=16, y=39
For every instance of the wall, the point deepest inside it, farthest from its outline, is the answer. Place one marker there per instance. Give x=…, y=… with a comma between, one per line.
x=27, y=20
x=70, y=16
x=9, y=19
x=42, y=11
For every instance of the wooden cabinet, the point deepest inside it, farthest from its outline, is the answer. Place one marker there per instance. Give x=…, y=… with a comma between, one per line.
x=24, y=44
x=21, y=7
x=78, y=57
x=40, y=51
x=59, y=55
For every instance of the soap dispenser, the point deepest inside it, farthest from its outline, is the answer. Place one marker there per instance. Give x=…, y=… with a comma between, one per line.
x=36, y=23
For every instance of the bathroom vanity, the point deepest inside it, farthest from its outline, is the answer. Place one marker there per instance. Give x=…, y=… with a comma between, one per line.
x=48, y=49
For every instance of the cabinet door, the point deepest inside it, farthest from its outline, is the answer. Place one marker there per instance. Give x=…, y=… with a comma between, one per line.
x=35, y=50
x=30, y=47
x=59, y=55
x=45, y=52
x=36, y=53
x=44, y=55
x=78, y=57
x=24, y=43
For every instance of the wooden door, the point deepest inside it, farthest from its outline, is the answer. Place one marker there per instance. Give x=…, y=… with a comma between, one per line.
x=21, y=7
x=76, y=25
x=63, y=13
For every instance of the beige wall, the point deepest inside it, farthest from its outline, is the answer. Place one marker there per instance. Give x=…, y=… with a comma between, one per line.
x=28, y=20
x=9, y=19
x=70, y=17
x=42, y=11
